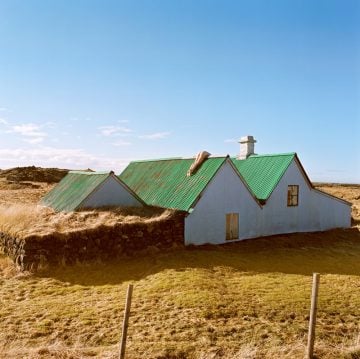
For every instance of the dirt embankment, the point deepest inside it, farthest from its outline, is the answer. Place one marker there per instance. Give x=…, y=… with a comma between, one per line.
x=33, y=174
x=21, y=185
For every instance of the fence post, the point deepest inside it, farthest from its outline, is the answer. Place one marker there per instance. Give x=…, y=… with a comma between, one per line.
x=125, y=321
x=312, y=322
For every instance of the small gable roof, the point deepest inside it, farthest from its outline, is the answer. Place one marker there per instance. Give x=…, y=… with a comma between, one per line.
x=262, y=173
x=164, y=183
x=75, y=187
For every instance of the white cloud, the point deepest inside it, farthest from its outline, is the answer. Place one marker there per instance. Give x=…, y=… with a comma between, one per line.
x=230, y=140
x=155, y=136
x=58, y=157
x=113, y=130
x=4, y=109
x=30, y=132
x=121, y=143
x=123, y=121
x=34, y=140
x=3, y=121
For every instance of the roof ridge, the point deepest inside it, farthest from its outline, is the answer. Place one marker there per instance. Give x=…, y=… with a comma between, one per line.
x=269, y=155
x=91, y=173
x=176, y=158
x=275, y=154
x=158, y=159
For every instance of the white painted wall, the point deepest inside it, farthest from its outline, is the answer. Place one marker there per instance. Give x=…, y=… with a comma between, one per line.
x=316, y=211
x=224, y=194
x=111, y=193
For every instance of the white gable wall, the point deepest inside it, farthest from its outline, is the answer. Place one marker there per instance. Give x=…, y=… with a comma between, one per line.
x=315, y=212
x=333, y=213
x=110, y=193
x=225, y=193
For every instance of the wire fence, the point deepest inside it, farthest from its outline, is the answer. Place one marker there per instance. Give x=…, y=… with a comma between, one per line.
x=308, y=311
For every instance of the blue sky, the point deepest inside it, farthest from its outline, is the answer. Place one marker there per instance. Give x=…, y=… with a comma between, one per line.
x=96, y=84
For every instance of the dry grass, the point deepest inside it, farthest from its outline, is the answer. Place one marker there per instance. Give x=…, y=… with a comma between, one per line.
x=19, y=219
x=242, y=300
x=21, y=215
x=28, y=219
x=20, y=193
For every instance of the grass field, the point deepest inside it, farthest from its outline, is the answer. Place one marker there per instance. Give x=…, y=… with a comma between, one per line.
x=243, y=300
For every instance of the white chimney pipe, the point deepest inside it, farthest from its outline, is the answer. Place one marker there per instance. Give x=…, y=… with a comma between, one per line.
x=247, y=147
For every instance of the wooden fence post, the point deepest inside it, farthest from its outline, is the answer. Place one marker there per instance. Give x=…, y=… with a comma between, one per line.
x=312, y=322
x=126, y=321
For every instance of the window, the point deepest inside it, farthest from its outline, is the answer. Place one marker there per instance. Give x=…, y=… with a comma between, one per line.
x=232, y=226
x=293, y=196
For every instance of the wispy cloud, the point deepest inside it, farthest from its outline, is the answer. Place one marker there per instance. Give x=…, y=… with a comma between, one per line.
x=155, y=136
x=34, y=140
x=113, y=130
x=46, y=156
x=50, y=124
x=28, y=129
x=3, y=121
x=4, y=109
x=30, y=132
x=121, y=143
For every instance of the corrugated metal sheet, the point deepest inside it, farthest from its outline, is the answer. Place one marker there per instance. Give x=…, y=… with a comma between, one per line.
x=164, y=183
x=73, y=189
x=263, y=172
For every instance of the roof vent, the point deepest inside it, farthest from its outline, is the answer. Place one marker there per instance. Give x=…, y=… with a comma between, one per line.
x=199, y=160
x=247, y=147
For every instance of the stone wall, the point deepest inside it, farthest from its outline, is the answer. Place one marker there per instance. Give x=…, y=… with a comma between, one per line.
x=101, y=243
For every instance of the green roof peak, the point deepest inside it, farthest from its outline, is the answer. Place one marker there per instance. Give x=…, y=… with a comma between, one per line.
x=164, y=183
x=262, y=173
x=73, y=189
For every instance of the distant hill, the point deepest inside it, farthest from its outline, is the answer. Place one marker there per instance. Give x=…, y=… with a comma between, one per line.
x=33, y=174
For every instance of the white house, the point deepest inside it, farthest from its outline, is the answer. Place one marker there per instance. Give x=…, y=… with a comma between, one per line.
x=230, y=199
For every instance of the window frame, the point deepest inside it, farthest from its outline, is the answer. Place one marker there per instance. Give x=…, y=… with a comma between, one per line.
x=293, y=197
x=232, y=226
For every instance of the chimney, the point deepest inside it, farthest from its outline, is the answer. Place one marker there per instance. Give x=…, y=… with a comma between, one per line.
x=247, y=145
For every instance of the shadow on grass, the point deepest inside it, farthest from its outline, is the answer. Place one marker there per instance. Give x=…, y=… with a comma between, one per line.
x=332, y=252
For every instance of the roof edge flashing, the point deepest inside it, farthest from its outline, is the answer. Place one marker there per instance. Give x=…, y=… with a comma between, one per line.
x=91, y=173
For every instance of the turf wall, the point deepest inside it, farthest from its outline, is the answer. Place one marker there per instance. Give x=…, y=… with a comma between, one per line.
x=101, y=243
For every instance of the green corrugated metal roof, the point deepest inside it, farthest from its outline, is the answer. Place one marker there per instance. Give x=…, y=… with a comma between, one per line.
x=164, y=183
x=73, y=189
x=262, y=173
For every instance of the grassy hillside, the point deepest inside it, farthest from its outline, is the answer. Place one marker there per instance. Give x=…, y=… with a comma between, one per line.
x=243, y=300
